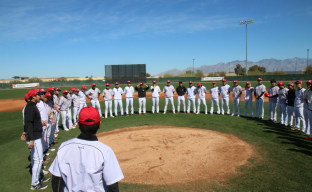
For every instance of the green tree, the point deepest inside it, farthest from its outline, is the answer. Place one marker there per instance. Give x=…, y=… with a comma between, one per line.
x=34, y=80
x=16, y=81
x=148, y=75
x=211, y=74
x=309, y=69
x=62, y=79
x=87, y=77
x=257, y=68
x=168, y=75
x=189, y=72
x=199, y=73
x=239, y=69
x=91, y=77
x=222, y=73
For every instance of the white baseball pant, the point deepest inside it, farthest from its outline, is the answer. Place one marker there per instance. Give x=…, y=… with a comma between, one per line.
x=282, y=110
x=44, y=136
x=236, y=103
x=142, y=102
x=36, y=157
x=225, y=100
x=108, y=104
x=272, y=110
x=213, y=102
x=189, y=101
x=82, y=105
x=299, y=117
x=310, y=121
x=118, y=102
x=66, y=117
x=181, y=99
x=246, y=103
x=155, y=101
x=167, y=99
x=307, y=121
x=129, y=100
x=75, y=109
x=259, y=104
x=291, y=114
x=203, y=100
x=57, y=119
x=47, y=135
x=97, y=104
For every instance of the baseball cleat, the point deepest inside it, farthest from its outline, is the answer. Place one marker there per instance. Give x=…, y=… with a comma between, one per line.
x=47, y=154
x=45, y=162
x=309, y=138
x=144, y=113
x=45, y=172
x=43, y=180
x=237, y=115
x=177, y=112
x=39, y=186
x=66, y=129
x=302, y=133
x=164, y=112
x=195, y=113
x=232, y=115
x=51, y=149
x=139, y=113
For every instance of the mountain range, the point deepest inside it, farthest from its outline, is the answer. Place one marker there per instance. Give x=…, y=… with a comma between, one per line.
x=270, y=65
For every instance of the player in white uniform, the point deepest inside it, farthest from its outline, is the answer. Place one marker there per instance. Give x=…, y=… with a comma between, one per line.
x=56, y=100
x=129, y=97
x=82, y=96
x=214, y=98
x=169, y=90
x=44, y=118
x=93, y=94
x=201, y=97
x=259, y=94
x=155, y=97
x=237, y=93
x=299, y=103
x=51, y=121
x=306, y=111
x=273, y=96
x=84, y=163
x=282, y=98
x=248, y=99
x=190, y=91
x=64, y=105
x=117, y=92
x=308, y=100
x=108, y=97
x=76, y=105
x=224, y=89
x=71, y=107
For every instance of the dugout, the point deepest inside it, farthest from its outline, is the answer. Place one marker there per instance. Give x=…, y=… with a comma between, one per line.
x=136, y=73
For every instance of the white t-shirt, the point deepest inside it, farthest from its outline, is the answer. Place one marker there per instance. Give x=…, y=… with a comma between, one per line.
x=273, y=91
x=224, y=90
x=214, y=91
x=248, y=93
x=155, y=91
x=43, y=111
x=259, y=89
x=237, y=91
x=201, y=92
x=169, y=90
x=190, y=92
x=282, y=95
x=117, y=93
x=308, y=96
x=299, y=97
x=93, y=94
x=129, y=91
x=86, y=165
x=82, y=97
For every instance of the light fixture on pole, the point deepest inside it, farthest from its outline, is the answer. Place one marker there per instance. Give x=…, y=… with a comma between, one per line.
x=193, y=68
x=296, y=65
x=245, y=23
x=307, y=59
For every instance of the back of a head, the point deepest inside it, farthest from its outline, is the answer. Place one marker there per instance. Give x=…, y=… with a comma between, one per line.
x=89, y=120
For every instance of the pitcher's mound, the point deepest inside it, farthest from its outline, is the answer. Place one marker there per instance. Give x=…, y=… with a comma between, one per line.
x=168, y=155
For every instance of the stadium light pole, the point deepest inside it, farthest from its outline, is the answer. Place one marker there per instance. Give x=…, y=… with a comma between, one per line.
x=307, y=59
x=296, y=65
x=193, y=68
x=245, y=23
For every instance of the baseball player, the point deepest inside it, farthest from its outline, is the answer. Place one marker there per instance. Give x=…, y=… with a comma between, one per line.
x=214, y=97
x=76, y=104
x=64, y=105
x=51, y=120
x=306, y=110
x=117, y=92
x=142, y=96
x=237, y=93
x=82, y=96
x=169, y=90
x=282, y=98
x=273, y=95
x=248, y=99
x=129, y=97
x=181, y=90
x=33, y=127
x=190, y=91
x=308, y=99
x=56, y=100
x=201, y=97
x=225, y=90
x=299, y=103
x=70, y=96
x=259, y=91
x=93, y=94
x=84, y=163
x=24, y=136
x=108, y=97
x=44, y=118
x=291, y=95
x=155, y=97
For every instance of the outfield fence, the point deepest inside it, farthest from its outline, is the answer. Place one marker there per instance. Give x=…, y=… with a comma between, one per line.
x=286, y=78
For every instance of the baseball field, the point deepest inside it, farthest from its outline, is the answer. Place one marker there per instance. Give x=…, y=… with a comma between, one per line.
x=176, y=152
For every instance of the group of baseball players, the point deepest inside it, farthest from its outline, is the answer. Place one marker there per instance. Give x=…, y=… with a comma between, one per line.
x=43, y=109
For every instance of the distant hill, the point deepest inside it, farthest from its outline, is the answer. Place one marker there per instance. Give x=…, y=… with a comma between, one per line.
x=269, y=64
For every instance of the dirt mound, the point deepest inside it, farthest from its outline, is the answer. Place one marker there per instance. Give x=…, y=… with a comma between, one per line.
x=169, y=155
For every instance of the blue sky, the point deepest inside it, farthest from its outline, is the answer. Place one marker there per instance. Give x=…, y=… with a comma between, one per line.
x=77, y=38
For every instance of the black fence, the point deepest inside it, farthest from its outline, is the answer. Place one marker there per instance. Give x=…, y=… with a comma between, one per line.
x=135, y=73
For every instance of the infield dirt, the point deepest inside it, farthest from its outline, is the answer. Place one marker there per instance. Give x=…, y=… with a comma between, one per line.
x=160, y=155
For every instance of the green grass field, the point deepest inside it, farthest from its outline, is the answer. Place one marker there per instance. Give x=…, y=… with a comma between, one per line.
x=282, y=160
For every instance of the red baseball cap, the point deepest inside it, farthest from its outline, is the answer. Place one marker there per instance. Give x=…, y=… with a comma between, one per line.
x=310, y=81
x=72, y=88
x=223, y=79
x=57, y=89
x=26, y=96
x=116, y=83
x=47, y=94
x=198, y=84
x=42, y=90
x=83, y=87
x=180, y=81
x=235, y=81
x=128, y=82
x=191, y=82
x=214, y=82
x=168, y=81
x=89, y=113
x=298, y=82
x=154, y=81
x=141, y=83
x=280, y=83
x=93, y=84
x=266, y=94
x=65, y=91
x=33, y=92
x=259, y=79
x=291, y=83
x=107, y=84
x=50, y=89
x=248, y=83
x=77, y=90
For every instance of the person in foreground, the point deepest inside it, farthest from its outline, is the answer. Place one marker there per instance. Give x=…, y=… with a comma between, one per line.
x=84, y=163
